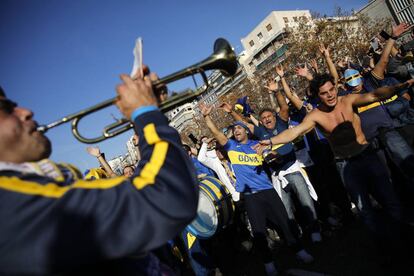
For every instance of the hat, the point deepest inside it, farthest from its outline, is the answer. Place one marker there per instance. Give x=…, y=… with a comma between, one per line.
x=95, y=173
x=242, y=106
x=242, y=124
x=352, y=77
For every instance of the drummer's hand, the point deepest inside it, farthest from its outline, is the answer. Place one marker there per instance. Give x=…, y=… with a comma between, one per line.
x=133, y=94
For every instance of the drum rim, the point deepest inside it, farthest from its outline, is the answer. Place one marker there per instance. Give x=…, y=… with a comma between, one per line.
x=221, y=202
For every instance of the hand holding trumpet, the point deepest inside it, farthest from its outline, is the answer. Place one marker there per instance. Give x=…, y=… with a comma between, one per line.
x=135, y=92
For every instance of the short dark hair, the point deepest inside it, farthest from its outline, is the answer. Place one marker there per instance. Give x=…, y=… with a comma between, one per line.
x=2, y=93
x=318, y=81
x=128, y=166
x=266, y=109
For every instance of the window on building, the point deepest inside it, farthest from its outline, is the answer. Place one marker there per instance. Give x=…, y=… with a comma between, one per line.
x=286, y=19
x=251, y=43
x=251, y=64
x=268, y=27
x=260, y=35
x=295, y=18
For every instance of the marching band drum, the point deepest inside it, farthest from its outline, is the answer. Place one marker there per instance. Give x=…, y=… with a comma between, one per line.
x=215, y=208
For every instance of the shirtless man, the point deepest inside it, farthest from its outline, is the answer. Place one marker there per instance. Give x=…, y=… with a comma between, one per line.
x=360, y=169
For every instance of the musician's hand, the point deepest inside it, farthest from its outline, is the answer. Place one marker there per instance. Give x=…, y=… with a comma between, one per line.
x=94, y=151
x=141, y=73
x=133, y=94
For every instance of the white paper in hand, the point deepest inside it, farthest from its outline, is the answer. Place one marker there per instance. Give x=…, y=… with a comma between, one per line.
x=137, y=57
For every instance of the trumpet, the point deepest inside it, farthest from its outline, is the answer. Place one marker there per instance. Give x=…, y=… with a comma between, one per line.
x=223, y=59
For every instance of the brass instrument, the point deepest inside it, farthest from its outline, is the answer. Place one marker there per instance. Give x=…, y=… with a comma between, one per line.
x=223, y=59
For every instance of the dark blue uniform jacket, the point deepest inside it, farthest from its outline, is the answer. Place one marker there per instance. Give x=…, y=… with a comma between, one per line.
x=51, y=227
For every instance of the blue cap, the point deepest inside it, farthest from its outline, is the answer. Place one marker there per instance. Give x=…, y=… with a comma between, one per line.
x=352, y=77
x=242, y=124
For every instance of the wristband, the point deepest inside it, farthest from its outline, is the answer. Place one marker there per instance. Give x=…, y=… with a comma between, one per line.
x=142, y=110
x=100, y=155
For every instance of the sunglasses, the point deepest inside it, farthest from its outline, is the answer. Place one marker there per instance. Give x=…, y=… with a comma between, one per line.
x=7, y=105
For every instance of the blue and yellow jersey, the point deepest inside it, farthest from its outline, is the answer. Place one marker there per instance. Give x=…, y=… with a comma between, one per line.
x=247, y=166
x=50, y=225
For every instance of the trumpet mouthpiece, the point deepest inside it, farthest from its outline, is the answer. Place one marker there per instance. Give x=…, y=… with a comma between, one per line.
x=41, y=129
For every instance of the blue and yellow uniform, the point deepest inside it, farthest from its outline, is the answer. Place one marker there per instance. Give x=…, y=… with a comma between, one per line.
x=51, y=226
x=247, y=166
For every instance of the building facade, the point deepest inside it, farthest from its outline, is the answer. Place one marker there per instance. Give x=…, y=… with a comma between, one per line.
x=397, y=10
x=179, y=117
x=265, y=44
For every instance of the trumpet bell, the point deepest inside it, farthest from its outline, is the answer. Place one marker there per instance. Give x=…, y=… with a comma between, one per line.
x=223, y=59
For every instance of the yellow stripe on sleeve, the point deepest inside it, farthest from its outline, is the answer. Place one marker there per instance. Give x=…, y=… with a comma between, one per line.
x=370, y=106
x=152, y=168
x=17, y=185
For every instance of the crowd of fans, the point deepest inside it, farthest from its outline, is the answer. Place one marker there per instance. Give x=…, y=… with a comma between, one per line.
x=352, y=130
x=343, y=151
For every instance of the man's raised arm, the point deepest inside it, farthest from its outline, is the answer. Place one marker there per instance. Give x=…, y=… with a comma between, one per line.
x=220, y=137
x=236, y=116
x=292, y=133
x=378, y=94
x=298, y=103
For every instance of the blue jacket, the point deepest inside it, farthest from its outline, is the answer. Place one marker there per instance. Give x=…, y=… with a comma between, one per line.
x=51, y=227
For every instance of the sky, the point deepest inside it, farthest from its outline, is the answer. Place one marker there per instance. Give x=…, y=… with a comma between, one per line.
x=60, y=56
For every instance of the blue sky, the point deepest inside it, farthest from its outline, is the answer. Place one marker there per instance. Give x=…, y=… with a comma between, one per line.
x=58, y=57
